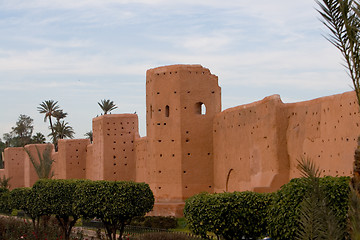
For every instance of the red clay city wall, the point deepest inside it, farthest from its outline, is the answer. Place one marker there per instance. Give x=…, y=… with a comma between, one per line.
x=326, y=130
x=30, y=175
x=72, y=158
x=113, y=147
x=141, y=156
x=250, y=147
x=191, y=146
x=14, y=159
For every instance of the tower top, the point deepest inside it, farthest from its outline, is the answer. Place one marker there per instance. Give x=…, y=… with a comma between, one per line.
x=178, y=67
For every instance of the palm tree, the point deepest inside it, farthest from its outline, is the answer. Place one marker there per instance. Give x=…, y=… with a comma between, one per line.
x=49, y=108
x=89, y=135
x=59, y=114
x=317, y=220
x=107, y=105
x=38, y=138
x=342, y=18
x=4, y=182
x=63, y=130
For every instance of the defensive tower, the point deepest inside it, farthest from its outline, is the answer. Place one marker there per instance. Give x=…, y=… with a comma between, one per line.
x=113, y=150
x=181, y=102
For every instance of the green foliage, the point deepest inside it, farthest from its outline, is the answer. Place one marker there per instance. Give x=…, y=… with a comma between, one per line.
x=115, y=203
x=2, y=148
x=107, y=106
x=21, y=133
x=342, y=18
x=4, y=182
x=317, y=220
x=229, y=215
x=19, y=199
x=89, y=135
x=15, y=229
x=62, y=130
x=27, y=200
x=38, y=138
x=5, y=201
x=43, y=167
x=163, y=236
x=285, y=210
x=354, y=216
x=56, y=196
x=160, y=222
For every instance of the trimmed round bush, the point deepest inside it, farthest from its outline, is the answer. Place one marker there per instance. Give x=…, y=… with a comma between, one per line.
x=284, y=212
x=115, y=203
x=229, y=215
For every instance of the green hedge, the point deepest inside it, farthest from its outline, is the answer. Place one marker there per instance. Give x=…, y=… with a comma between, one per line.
x=19, y=199
x=115, y=203
x=283, y=214
x=4, y=201
x=160, y=222
x=229, y=215
x=56, y=197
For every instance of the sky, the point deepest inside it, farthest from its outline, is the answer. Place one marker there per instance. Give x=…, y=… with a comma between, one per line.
x=80, y=52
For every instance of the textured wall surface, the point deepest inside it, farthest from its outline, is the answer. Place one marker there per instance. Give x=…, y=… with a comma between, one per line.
x=325, y=130
x=14, y=159
x=191, y=146
x=72, y=158
x=250, y=147
x=113, y=149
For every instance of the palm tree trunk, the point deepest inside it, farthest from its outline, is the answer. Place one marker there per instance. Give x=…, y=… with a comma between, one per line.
x=53, y=134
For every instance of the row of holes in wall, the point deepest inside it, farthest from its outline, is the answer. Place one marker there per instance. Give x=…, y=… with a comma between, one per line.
x=200, y=108
x=244, y=113
x=175, y=92
x=317, y=125
x=173, y=155
x=121, y=123
x=175, y=72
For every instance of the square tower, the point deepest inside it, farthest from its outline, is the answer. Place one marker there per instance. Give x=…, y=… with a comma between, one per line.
x=113, y=147
x=181, y=102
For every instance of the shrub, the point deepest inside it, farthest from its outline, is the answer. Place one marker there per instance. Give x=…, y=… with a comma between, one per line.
x=26, y=200
x=164, y=236
x=4, y=201
x=284, y=212
x=115, y=203
x=160, y=222
x=230, y=215
x=56, y=196
x=14, y=229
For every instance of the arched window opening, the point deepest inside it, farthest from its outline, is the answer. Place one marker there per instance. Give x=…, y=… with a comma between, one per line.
x=167, y=111
x=200, y=108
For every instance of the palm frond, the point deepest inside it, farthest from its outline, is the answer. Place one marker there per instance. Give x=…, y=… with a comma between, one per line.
x=341, y=17
x=354, y=213
x=317, y=220
x=107, y=105
x=44, y=165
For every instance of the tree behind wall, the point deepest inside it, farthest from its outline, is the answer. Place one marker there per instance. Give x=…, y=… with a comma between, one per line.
x=107, y=106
